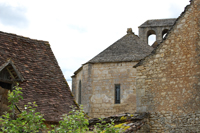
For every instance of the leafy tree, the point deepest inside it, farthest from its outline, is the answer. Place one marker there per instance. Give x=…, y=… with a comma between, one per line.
x=31, y=121
x=27, y=121
x=75, y=122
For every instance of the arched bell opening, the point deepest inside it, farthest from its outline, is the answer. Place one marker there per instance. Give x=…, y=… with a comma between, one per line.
x=164, y=33
x=151, y=37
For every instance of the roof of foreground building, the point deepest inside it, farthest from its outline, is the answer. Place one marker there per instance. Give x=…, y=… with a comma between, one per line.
x=38, y=73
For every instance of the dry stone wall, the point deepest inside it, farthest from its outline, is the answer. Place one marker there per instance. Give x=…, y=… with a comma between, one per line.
x=168, y=81
x=168, y=122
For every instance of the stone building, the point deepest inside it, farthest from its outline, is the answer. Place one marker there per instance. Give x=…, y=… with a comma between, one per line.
x=105, y=85
x=168, y=80
x=33, y=65
x=96, y=83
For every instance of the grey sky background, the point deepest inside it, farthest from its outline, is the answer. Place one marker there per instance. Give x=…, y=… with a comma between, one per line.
x=13, y=16
x=80, y=29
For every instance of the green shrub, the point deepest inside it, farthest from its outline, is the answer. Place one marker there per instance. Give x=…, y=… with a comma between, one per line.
x=27, y=121
x=30, y=121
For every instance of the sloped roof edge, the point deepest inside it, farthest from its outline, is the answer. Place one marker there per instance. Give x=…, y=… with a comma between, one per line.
x=127, y=48
x=23, y=37
x=44, y=81
x=154, y=51
x=78, y=70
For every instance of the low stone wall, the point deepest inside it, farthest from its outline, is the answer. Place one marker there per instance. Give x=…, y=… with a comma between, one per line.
x=172, y=123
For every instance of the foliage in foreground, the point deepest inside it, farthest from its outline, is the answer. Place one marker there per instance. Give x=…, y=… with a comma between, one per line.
x=27, y=121
x=31, y=121
x=76, y=122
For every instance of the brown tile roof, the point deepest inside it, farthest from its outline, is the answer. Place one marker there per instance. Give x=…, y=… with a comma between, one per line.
x=128, y=48
x=43, y=79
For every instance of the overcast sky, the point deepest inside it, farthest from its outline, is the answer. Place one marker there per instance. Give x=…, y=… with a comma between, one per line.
x=80, y=29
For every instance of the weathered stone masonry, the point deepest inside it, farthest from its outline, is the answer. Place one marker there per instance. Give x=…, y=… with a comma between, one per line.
x=98, y=89
x=105, y=76
x=95, y=82
x=168, y=80
x=159, y=27
x=83, y=79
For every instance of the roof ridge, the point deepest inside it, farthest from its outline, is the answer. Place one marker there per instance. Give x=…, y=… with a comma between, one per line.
x=162, y=19
x=20, y=36
x=157, y=22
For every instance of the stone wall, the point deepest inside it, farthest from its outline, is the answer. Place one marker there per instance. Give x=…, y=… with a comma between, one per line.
x=98, y=88
x=172, y=123
x=168, y=80
x=3, y=101
x=105, y=76
x=83, y=75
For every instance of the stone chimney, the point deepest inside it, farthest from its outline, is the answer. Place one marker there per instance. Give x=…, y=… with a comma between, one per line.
x=129, y=31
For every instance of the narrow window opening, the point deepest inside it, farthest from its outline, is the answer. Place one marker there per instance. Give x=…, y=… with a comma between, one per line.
x=117, y=94
x=79, y=93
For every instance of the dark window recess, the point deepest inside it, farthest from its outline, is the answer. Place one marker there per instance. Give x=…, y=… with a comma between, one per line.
x=5, y=85
x=79, y=93
x=117, y=94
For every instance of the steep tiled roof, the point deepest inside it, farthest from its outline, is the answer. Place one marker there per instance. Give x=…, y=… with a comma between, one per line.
x=128, y=48
x=158, y=22
x=43, y=79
